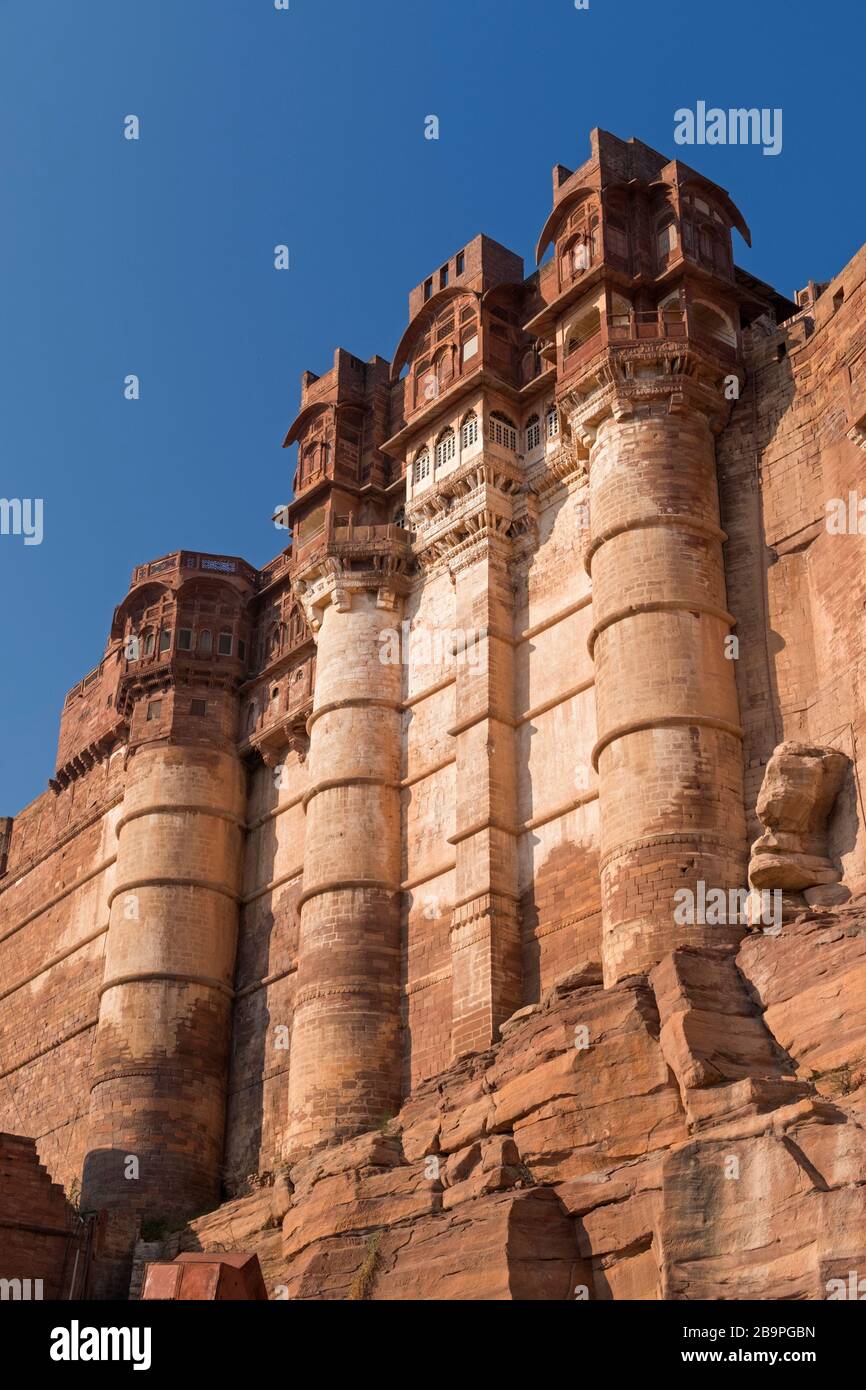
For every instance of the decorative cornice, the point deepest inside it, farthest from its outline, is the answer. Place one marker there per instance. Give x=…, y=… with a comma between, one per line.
x=287, y=733
x=629, y=378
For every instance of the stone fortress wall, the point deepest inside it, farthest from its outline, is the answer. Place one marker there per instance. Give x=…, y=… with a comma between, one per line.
x=318, y=830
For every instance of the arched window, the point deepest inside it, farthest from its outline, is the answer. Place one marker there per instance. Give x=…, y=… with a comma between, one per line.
x=619, y=317
x=205, y=643
x=426, y=385
x=149, y=644
x=421, y=466
x=308, y=464
x=582, y=329
x=469, y=430
x=713, y=322
x=533, y=433
x=594, y=238
x=552, y=422
x=502, y=431
x=444, y=368
x=446, y=447
x=576, y=257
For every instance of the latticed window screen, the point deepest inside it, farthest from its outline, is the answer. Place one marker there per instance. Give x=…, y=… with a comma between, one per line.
x=500, y=430
x=446, y=448
x=421, y=467
x=469, y=431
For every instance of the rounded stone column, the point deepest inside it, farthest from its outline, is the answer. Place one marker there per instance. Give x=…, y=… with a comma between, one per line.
x=346, y=1049
x=159, y=1062
x=669, y=753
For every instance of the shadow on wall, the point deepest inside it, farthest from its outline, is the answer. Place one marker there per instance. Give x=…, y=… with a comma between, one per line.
x=258, y=1081
x=748, y=557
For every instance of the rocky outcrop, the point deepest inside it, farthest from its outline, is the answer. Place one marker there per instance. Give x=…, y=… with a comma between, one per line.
x=697, y=1134
x=800, y=785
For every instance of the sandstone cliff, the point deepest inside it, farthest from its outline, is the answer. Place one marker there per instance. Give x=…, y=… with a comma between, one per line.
x=694, y=1134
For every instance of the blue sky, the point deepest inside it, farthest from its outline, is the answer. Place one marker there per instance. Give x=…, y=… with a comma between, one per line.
x=306, y=127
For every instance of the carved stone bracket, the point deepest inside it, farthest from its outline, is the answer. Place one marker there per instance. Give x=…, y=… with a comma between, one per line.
x=339, y=570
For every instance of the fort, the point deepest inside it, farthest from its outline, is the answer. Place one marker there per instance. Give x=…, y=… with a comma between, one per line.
x=427, y=873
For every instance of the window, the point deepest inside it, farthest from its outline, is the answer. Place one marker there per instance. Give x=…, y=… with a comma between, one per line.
x=617, y=238
x=501, y=430
x=251, y=718
x=444, y=365
x=224, y=647
x=184, y=639
x=443, y=277
x=582, y=330
x=470, y=347
x=461, y=263
x=154, y=710
x=533, y=434
x=309, y=463
x=149, y=643
x=666, y=239
x=714, y=323
x=576, y=258
x=165, y=639
x=205, y=643
x=446, y=447
x=421, y=467
x=242, y=650
x=428, y=288
x=469, y=431
x=552, y=423
x=198, y=708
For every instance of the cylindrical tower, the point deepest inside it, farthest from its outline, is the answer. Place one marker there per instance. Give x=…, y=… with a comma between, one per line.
x=159, y=1062
x=668, y=750
x=346, y=1039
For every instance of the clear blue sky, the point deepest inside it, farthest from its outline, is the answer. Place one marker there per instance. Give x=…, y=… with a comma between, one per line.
x=261, y=127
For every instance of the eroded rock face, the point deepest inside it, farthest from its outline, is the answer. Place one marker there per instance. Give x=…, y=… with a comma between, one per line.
x=800, y=785
x=696, y=1135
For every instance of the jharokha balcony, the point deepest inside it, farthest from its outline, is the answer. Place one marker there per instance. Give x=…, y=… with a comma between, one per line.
x=383, y=546
x=696, y=323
